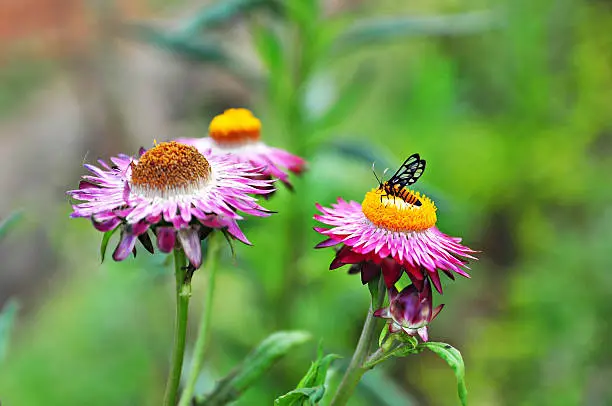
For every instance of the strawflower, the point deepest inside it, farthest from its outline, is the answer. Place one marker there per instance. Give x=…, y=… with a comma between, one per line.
x=392, y=234
x=237, y=132
x=172, y=190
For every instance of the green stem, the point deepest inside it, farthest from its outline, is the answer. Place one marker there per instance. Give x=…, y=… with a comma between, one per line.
x=200, y=346
x=183, y=292
x=355, y=370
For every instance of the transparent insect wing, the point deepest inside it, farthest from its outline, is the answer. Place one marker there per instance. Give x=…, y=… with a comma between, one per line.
x=410, y=171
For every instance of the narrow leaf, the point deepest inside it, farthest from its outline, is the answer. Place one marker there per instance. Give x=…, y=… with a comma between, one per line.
x=311, y=388
x=303, y=12
x=219, y=13
x=10, y=222
x=453, y=358
x=361, y=150
x=377, y=30
x=191, y=48
x=254, y=366
x=348, y=100
x=384, y=391
x=7, y=319
x=270, y=49
x=105, y=240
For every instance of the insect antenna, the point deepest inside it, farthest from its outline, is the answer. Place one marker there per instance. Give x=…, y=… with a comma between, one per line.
x=376, y=176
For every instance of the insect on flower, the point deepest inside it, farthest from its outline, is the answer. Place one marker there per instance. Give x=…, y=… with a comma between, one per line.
x=410, y=171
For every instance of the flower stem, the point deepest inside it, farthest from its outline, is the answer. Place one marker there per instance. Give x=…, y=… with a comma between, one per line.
x=200, y=345
x=355, y=370
x=183, y=292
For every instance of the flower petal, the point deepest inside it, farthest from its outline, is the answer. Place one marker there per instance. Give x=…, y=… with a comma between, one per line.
x=166, y=239
x=190, y=242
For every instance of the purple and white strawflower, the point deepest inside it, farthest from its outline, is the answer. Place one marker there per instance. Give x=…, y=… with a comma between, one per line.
x=173, y=190
x=237, y=132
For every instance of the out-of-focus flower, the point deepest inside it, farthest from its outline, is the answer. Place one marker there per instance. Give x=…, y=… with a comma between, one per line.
x=410, y=310
x=237, y=132
x=387, y=233
x=173, y=190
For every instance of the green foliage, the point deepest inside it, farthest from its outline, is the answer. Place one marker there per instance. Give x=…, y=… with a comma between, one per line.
x=105, y=240
x=311, y=388
x=10, y=223
x=254, y=366
x=7, y=319
x=191, y=48
x=514, y=121
x=453, y=358
x=381, y=30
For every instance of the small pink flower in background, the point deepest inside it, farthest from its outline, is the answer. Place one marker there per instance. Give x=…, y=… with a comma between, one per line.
x=172, y=190
x=392, y=234
x=410, y=310
x=237, y=132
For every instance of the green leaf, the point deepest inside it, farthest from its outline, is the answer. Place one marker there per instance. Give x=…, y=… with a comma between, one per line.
x=191, y=48
x=7, y=319
x=384, y=391
x=219, y=13
x=348, y=100
x=254, y=366
x=303, y=12
x=10, y=222
x=270, y=48
x=453, y=358
x=360, y=149
x=377, y=30
x=105, y=240
x=301, y=396
x=311, y=388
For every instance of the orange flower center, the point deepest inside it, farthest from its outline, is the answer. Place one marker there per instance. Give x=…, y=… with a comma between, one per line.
x=235, y=126
x=170, y=168
x=399, y=213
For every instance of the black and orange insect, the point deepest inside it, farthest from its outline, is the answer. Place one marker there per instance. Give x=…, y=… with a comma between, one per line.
x=410, y=171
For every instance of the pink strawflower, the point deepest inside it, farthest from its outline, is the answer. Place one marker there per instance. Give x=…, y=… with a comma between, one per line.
x=174, y=191
x=237, y=132
x=392, y=234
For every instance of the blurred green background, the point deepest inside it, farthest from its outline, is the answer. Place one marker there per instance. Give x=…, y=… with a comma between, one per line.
x=509, y=101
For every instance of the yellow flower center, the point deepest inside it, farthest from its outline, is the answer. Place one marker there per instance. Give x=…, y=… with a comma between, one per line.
x=397, y=214
x=235, y=126
x=168, y=169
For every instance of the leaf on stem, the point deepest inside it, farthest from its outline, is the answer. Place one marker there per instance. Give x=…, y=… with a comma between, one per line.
x=453, y=358
x=311, y=388
x=254, y=366
x=377, y=30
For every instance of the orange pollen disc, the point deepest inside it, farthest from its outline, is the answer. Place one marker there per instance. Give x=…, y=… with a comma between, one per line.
x=235, y=126
x=170, y=168
x=399, y=214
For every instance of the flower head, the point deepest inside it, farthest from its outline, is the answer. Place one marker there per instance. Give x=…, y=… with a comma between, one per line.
x=237, y=132
x=392, y=234
x=410, y=310
x=173, y=190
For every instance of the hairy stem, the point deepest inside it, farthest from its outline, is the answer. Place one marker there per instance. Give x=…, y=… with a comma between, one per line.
x=183, y=292
x=200, y=346
x=356, y=369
